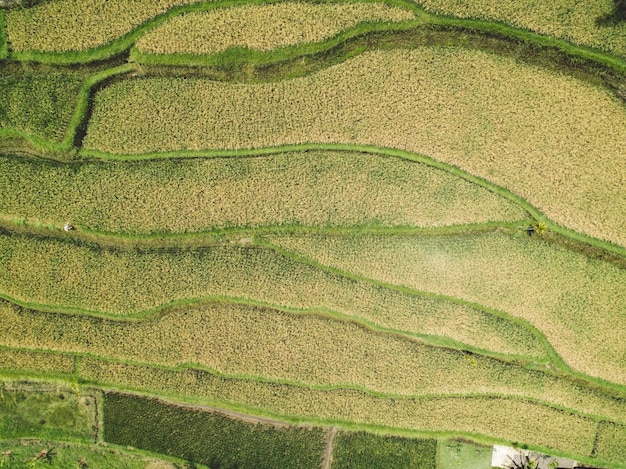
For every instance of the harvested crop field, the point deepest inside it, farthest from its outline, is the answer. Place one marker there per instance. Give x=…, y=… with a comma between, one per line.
x=325, y=234
x=518, y=126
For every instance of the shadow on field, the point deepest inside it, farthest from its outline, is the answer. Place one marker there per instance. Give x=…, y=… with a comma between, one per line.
x=618, y=14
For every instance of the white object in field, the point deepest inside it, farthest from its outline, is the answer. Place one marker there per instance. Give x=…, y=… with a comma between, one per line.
x=68, y=227
x=502, y=456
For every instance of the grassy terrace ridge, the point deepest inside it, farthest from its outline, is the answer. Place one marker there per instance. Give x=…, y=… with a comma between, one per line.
x=297, y=349
x=594, y=23
x=264, y=26
x=63, y=280
x=470, y=267
x=3, y=37
x=483, y=130
x=123, y=43
x=566, y=433
x=207, y=437
x=303, y=189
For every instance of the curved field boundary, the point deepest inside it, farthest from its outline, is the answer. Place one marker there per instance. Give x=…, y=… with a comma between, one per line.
x=516, y=199
x=556, y=359
x=537, y=362
x=484, y=27
x=123, y=43
x=64, y=149
x=271, y=411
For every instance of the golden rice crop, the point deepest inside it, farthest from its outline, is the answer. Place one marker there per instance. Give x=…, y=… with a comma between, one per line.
x=585, y=22
x=262, y=27
x=576, y=301
x=307, y=188
x=66, y=275
x=611, y=442
x=72, y=25
x=313, y=350
x=41, y=105
x=505, y=418
x=32, y=361
x=548, y=137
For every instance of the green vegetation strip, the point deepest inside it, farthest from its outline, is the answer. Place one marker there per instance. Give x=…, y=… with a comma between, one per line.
x=207, y=437
x=379, y=98
x=308, y=350
x=314, y=188
x=54, y=414
x=575, y=300
x=359, y=449
x=82, y=278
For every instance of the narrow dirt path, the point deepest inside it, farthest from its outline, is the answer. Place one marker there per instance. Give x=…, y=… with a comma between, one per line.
x=329, y=448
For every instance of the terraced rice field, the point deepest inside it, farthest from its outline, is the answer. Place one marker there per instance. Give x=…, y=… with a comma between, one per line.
x=300, y=234
x=262, y=27
x=518, y=126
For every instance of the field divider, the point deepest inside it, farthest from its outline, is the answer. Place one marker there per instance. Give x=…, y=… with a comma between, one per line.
x=535, y=213
x=561, y=367
x=4, y=48
x=342, y=424
x=442, y=342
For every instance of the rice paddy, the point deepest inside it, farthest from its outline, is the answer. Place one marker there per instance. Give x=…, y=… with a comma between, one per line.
x=311, y=234
x=518, y=126
x=574, y=300
x=262, y=27
x=594, y=23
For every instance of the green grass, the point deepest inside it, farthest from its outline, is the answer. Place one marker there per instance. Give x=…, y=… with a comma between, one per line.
x=38, y=105
x=365, y=450
x=454, y=454
x=207, y=437
x=573, y=299
x=299, y=189
x=56, y=414
x=68, y=455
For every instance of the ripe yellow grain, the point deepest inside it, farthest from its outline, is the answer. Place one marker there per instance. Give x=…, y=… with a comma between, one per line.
x=310, y=189
x=72, y=25
x=550, y=138
x=34, y=362
x=313, y=350
x=576, y=301
x=67, y=275
x=262, y=27
x=496, y=417
x=585, y=22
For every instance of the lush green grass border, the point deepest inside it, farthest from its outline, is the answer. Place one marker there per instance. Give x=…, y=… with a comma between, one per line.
x=347, y=425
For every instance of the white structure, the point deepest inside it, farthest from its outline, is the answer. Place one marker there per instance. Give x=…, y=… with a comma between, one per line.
x=505, y=456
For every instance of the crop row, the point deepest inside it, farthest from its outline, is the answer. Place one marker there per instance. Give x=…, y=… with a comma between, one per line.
x=262, y=27
x=596, y=23
x=126, y=282
x=29, y=361
x=240, y=340
x=545, y=136
x=577, y=301
x=307, y=188
x=501, y=418
x=207, y=437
